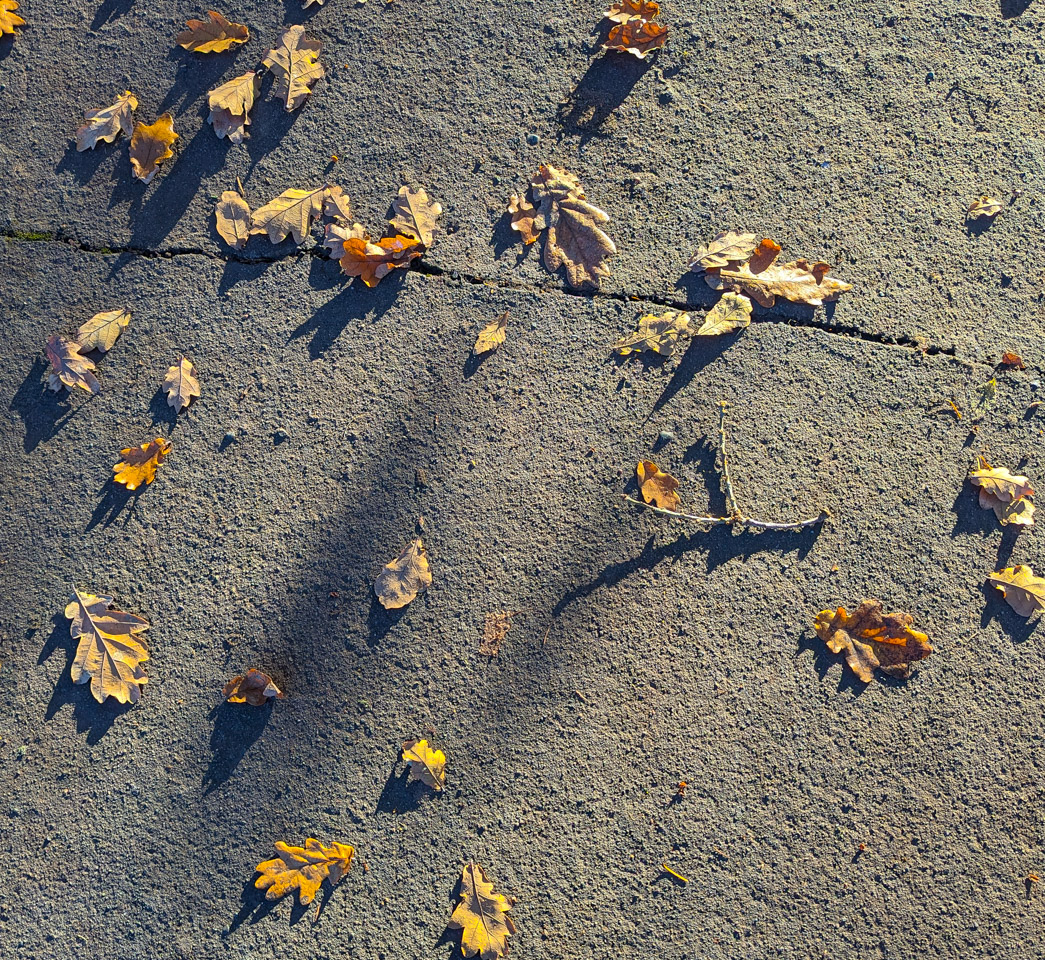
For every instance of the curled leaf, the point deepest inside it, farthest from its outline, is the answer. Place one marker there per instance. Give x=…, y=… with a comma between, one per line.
x=425, y=764
x=732, y=312
x=1005, y=493
x=724, y=249
x=180, y=384
x=100, y=332
x=295, y=63
x=105, y=124
x=872, y=639
x=109, y=653
x=481, y=915
x=303, y=869
x=151, y=145
x=657, y=487
x=656, y=334
x=230, y=105
x=984, y=207
x=634, y=31
x=415, y=215
x=1023, y=591
x=213, y=35
x=290, y=214
x=1012, y=361
x=69, y=367
x=401, y=579
x=374, y=261
x=335, y=205
x=233, y=218
x=139, y=464
x=256, y=688
x=577, y=241
x=492, y=335
x=336, y=234
x=526, y=221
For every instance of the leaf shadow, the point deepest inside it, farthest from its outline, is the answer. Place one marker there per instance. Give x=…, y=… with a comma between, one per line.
x=83, y=165
x=504, y=238
x=237, y=727
x=824, y=661
x=239, y=272
x=115, y=499
x=380, y=620
x=110, y=10
x=356, y=302
x=1013, y=8
x=43, y=412
x=397, y=795
x=1019, y=629
x=701, y=352
x=976, y=227
x=161, y=411
x=254, y=906
x=270, y=123
x=196, y=74
x=606, y=84
x=474, y=361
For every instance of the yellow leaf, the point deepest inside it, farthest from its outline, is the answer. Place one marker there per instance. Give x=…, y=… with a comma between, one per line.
x=732, y=312
x=726, y=248
x=294, y=62
x=232, y=217
x=401, y=579
x=303, y=869
x=1003, y=492
x=180, y=384
x=291, y=213
x=150, y=145
x=68, y=367
x=872, y=639
x=658, y=487
x=100, y=332
x=256, y=688
x=139, y=464
x=415, y=215
x=108, y=654
x=213, y=35
x=8, y=18
x=656, y=334
x=1023, y=591
x=230, y=105
x=105, y=124
x=374, y=261
x=492, y=335
x=984, y=207
x=425, y=764
x=482, y=916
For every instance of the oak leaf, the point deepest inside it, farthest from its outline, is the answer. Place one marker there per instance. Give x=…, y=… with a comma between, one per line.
x=984, y=207
x=230, y=105
x=294, y=62
x=180, y=384
x=336, y=206
x=336, y=234
x=232, y=217
x=525, y=219
x=492, y=335
x=872, y=639
x=656, y=334
x=213, y=35
x=732, y=312
x=656, y=486
x=726, y=248
x=575, y=240
x=150, y=145
x=1003, y=492
x=303, y=869
x=8, y=18
x=1012, y=360
x=401, y=579
x=634, y=30
x=415, y=215
x=425, y=764
x=1023, y=591
x=68, y=367
x=100, y=332
x=374, y=261
x=291, y=213
x=139, y=464
x=109, y=653
x=495, y=629
x=256, y=688
x=105, y=124
x=551, y=185
x=481, y=915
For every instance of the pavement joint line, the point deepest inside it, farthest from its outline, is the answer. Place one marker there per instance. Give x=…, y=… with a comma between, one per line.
x=845, y=331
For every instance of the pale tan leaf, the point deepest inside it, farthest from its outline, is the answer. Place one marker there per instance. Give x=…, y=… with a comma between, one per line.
x=233, y=219
x=180, y=384
x=104, y=125
x=415, y=215
x=724, y=249
x=577, y=242
x=336, y=206
x=68, y=367
x=109, y=653
x=495, y=629
x=1023, y=591
x=732, y=312
x=401, y=579
x=492, y=335
x=295, y=63
x=656, y=334
x=984, y=207
x=290, y=214
x=100, y=332
x=763, y=279
x=336, y=234
x=230, y=105
x=1003, y=492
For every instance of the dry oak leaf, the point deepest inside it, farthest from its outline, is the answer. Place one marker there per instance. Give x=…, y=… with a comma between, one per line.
x=495, y=629
x=1004, y=493
x=525, y=219
x=656, y=334
x=180, y=384
x=872, y=639
x=491, y=336
x=425, y=764
x=984, y=207
x=550, y=185
x=230, y=105
x=482, y=916
x=8, y=18
x=401, y=579
x=212, y=35
x=232, y=218
x=139, y=464
x=1012, y=360
x=256, y=688
x=303, y=869
x=150, y=145
x=336, y=234
x=294, y=62
x=575, y=240
x=109, y=653
x=374, y=261
x=100, y=332
x=336, y=206
x=763, y=279
x=105, y=124
x=657, y=487
x=637, y=37
x=68, y=367
x=1023, y=591
x=726, y=248
x=732, y=312
x=415, y=215
x=291, y=213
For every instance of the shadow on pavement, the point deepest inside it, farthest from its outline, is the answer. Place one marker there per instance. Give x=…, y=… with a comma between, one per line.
x=701, y=352
x=110, y=10
x=397, y=795
x=115, y=499
x=604, y=87
x=43, y=412
x=1013, y=8
x=1019, y=629
x=237, y=727
x=355, y=302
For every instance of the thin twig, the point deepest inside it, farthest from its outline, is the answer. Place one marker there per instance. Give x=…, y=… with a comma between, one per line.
x=727, y=481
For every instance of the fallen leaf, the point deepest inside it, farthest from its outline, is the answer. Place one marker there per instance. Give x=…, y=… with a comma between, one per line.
x=105, y=124
x=294, y=62
x=481, y=915
x=872, y=639
x=415, y=215
x=575, y=240
x=336, y=206
x=68, y=367
x=656, y=334
x=525, y=219
x=8, y=18
x=230, y=105
x=109, y=653
x=984, y=207
x=291, y=213
x=1013, y=361
x=732, y=312
x=551, y=184
x=1023, y=591
x=374, y=261
x=401, y=579
x=233, y=218
x=425, y=764
x=303, y=869
x=180, y=384
x=308, y=3
x=495, y=629
x=1004, y=493
x=139, y=464
x=100, y=332
x=492, y=335
x=986, y=394
x=726, y=248
x=336, y=235
x=150, y=145
x=634, y=31
x=256, y=688
x=658, y=487
x=763, y=279
x=213, y=35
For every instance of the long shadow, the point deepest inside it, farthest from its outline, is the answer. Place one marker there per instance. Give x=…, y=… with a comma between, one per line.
x=43, y=412
x=85, y=165
x=606, y=84
x=1013, y=8
x=356, y=302
x=237, y=727
x=824, y=660
x=1019, y=629
x=196, y=74
x=115, y=499
x=270, y=123
x=110, y=10
x=162, y=412
x=701, y=352
x=397, y=795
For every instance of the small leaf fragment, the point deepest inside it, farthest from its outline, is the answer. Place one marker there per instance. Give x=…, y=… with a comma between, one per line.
x=872, y=639
x=256, y=688
x=401, y=579
x=374, y=261
x=230, y=105
x=657, y=487
x=180, y=384
x=495, y=629
x=151, y=145
x=482, y=916
x=290, y=214
x=139, y=464
x=213, y=35
x=1012, y=361
x=425, y=764
x=303, y=869
x=336, y=234
x=526, y=221
x=105, y=124
x=415, y=215
x=335, y=205
x=984, y=207
x=656, y=334
x=233, y=218
x=109, y=653
x=1023, y=591
x=100, y=332
x=294, y=61
x=68, y=367
x=732, y=312
x=492, y=335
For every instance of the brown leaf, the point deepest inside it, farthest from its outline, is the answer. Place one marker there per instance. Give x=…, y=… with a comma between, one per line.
x=1003, y=492
x=139, y=464
x=303, y=869
x=100, y=332
x=525, y=219
x=872, y=639
x=150, y=145
x=68, y=367
x=1012, y=360
x=1023, y=591
x=658, y=487
x=109, y=653
x=726, y=248
x=335, y=205
x=213, y=35
x=290, y=214
x=180, y=384
x=230, y=105
x=732, y=312
x=401, y=579
x=336, y=235
x=656, y=334
x=551, y=185
x=374, y=261
x=492, y=335
x=233, y=218
x=575, y=240
x=256, y=688
x=495, y=629
x=482, y=916
x=8, y=18
x=105, y=124
x=425, y=764
x=634, y=30
x=984, y=207
x=415, y=215
x=294, y=62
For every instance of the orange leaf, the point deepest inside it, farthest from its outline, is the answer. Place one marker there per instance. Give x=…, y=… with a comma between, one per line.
x=658, y=487
x=139, y=464
x=8, y=18
x=213, y=35
x=256, y=688
x=872, y=639
x=634, y=31
x=150, y=145
x=374, y=261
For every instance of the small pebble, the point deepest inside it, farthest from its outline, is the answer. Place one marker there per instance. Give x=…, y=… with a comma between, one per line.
x=1035, y=384
x=532, y=139
x=666, y=436
x=930, y=76
x=280, y=435
x=229, y=437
